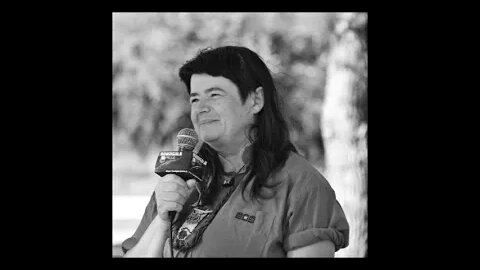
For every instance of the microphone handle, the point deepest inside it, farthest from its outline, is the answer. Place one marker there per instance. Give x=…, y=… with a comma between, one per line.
x=171, y=215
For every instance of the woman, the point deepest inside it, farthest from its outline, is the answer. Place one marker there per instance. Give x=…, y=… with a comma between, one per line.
x=261, y=198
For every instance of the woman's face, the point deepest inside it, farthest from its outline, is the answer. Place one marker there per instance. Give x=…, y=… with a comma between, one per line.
x=217, y=112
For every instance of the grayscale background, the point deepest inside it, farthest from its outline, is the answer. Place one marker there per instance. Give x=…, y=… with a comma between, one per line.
x=319, y=62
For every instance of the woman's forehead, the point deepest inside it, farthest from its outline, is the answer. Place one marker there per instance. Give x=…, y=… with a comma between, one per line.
x=202, y=82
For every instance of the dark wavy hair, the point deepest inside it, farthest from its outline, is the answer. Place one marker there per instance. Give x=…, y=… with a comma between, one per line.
x=269, y=134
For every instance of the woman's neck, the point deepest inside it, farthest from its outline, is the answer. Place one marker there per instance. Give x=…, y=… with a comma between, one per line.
x=232, y=161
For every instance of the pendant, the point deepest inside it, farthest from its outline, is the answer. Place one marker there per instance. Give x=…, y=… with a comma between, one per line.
x=191, y=222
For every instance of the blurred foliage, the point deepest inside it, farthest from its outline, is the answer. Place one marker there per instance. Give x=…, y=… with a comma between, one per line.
x=149, y=101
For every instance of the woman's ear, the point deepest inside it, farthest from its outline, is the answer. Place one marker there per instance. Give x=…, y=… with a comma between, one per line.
x=258, y=100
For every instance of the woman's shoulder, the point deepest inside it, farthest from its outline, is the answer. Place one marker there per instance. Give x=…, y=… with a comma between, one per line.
x=300, y=174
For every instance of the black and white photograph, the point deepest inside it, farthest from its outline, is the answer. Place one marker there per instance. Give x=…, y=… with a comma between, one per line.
x=240, y=135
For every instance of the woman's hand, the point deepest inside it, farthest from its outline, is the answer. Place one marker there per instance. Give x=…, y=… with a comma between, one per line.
x=171, y=193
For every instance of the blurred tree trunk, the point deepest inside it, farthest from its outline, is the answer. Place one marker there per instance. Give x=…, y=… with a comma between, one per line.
x=345, y=129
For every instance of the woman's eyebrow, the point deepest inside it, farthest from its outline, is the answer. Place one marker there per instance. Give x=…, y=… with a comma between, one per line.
x=208, y=91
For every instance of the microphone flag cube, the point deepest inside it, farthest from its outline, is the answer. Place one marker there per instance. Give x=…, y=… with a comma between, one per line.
x=185, y=164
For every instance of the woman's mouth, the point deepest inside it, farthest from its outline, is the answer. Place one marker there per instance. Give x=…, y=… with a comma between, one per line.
x=203, y=122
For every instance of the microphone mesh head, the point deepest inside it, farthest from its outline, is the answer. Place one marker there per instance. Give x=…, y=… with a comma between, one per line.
x=187, y=138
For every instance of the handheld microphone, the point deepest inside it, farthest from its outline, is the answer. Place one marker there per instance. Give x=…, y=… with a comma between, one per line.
x=185, y=162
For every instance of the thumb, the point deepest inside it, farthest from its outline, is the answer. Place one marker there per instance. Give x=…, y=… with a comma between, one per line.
x=191, y=184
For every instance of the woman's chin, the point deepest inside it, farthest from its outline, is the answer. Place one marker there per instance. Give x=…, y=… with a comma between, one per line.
x=208, y=137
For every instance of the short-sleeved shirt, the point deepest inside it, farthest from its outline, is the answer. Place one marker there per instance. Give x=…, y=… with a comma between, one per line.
x=303, y=211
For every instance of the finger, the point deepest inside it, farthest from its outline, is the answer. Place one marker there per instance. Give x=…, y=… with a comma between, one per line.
x=174, y=178
x=173, y=187
x=169, y=206
x=171, y=196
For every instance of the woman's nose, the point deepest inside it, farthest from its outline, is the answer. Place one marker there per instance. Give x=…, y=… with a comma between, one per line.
x=203, y=106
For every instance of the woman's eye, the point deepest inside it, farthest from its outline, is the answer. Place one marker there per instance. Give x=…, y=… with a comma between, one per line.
x=193, y=100
x=213, y=95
